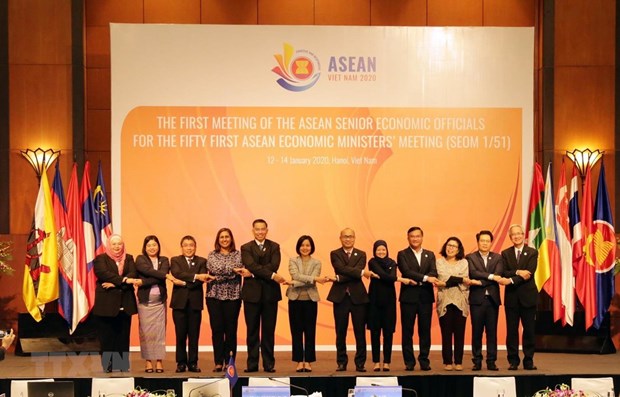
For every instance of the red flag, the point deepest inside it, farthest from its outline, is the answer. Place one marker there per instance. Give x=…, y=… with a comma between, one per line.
x=83, y=299
x=566, y=251
x=585, y=274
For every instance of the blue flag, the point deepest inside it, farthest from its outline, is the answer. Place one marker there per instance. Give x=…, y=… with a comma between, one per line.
x=604, y=249
x=231, y=372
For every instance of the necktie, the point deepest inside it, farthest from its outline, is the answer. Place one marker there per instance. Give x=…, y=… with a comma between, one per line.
x=190, y=262
x=518, y=255
x=349, y=255
x=260, y=247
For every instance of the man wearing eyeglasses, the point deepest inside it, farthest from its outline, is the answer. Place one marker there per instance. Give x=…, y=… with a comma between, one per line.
x=417, y=264
x=349, y=296
x=520, y=298
x=484, y=299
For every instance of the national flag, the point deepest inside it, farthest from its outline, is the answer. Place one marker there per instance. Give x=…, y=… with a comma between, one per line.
x=231, y=372
x=585, y=275
x=81, y=297
x=566, y=250
x=535, y=221
x=603, y=249
x=40, y=284
x=65, y=250
x=102, y=213
x=89, y=224
x=548, y=272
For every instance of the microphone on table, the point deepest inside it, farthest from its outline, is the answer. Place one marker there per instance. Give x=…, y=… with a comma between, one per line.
x=415, y=393
x=196, y=392
x=290, y=385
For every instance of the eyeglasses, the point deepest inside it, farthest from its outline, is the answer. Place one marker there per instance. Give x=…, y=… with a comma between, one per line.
x=452, y=246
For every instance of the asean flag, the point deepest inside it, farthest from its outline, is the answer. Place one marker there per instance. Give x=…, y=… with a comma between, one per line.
x=602, y=249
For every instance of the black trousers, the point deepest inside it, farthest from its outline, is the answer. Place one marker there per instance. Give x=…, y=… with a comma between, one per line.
x=113, y=335
x=527, y=316
x=375, y=341
x=260, y=320
x=408, y=314
x=302, y=319
x=484, y=320
x=187, y=329
x=341, y=319
x=224, y=319
x=452, y=325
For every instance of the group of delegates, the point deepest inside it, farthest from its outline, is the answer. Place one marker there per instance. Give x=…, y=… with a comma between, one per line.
x=464, y=284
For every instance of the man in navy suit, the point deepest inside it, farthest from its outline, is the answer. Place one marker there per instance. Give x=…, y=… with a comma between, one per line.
x=261, y=294
x=349, y=296
x=417, y=264
x=520, y=298
x=484, y=300
x=187, y=303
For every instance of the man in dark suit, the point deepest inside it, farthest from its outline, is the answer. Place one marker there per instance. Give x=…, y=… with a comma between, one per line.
x=261, y=294
x=186, y=303
x=520, y=298
x=417, y=264
x=349, y=296
x=484, y=300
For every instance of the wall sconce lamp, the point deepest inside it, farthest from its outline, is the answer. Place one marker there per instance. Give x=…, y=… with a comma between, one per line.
x=584, y=158
x=40, y=159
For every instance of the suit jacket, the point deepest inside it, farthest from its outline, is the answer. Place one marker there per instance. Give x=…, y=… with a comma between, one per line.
x=349, y=276
x=303, y=281
x=150, y=277
x=520, y=292
x=410, y=268
x=193, y=291
x=478, y=271
x=262, y=264
x=108, y=302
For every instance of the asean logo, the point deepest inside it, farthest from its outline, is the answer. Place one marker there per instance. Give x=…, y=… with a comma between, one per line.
x=298, y=70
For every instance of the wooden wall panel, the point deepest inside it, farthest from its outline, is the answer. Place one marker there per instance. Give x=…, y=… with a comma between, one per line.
x=509, y=12
x=398, y=13
x=98, y=95
x=177, y=11
x=342, y=12
x=99, y=127
x=97, y=51
x=454, y=13
x=102, y=12
x=40, y=111
x=584, y=108
x=39, y=32
x=241, y=12
x=585, y=32
x=285, y=12
x=24, y=187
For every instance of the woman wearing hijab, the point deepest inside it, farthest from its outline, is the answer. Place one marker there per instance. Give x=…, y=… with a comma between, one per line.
x=382, y=308
x=115, y=303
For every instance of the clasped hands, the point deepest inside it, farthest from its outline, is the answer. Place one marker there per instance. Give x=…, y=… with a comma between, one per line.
x=127, y=280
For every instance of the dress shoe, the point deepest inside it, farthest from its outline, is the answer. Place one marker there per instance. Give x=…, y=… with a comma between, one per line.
x=386, y=367
x=341, y=367
x=248, y=370
x=425, y=367
x=492, y=367
x=218, y=368
x=530, y=367
x=193, y=368
x=448, y=367
x=181, y=368
x=409, y=367
x=513, y=367
x=458, y=367
x=270, y=370
x=476, y=367
x=360, y=369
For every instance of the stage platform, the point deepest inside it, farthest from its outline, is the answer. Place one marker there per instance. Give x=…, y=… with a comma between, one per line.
x=553, y=368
